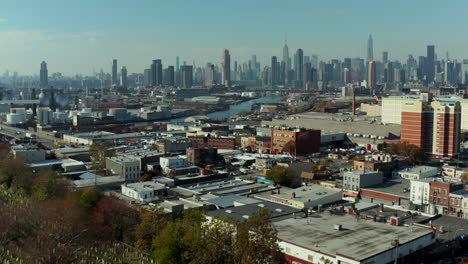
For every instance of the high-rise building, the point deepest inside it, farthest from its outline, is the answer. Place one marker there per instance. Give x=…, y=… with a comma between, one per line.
x=210, y=75
x=186, y=76
x=389, y=71
x=307, y=73
x=286, y=61
x=44, y=75
x=299, y=68
x=346, y=75
x=433, y=126
x=274, y=71
x=114, y=77
x=430, y=63
x=226, y=68
x=372, y=75
x=169, y=76
x=147, y=77
x=123, y=77
x=384, y=57
x=370, y=49
x=156, y=73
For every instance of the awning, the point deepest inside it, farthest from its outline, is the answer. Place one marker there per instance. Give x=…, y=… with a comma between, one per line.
x=352, y=194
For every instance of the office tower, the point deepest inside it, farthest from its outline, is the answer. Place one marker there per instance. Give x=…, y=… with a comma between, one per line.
x=274, y=71
x=346, y=75
x=464, y=72
x=307, y=59
x=448, y=72
x=44, y=75
x=401, y=75
x=422, y=68
x=156, y=73
x=372, y=75
x=298, y=68
x=307, y=73
x=210, y=75
x=177, y=63
x=336, y=71
x=286, y=61
x=347, y=63
x=389, y=73
x=147, y=77
x=315, y=61
x=186, y=76
x=370, y=49
x=123, y=76
x=430, y=63
x=226, y=73
x=384, y=57
x=114, y=76
x=169, y=76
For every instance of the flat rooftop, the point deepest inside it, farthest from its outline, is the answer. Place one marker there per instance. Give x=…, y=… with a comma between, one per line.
x=244, y=212
x=419, y=169
x=358, y=239
x=399, y=187
x=145, y=186
x=228, y=186
x=305, y=193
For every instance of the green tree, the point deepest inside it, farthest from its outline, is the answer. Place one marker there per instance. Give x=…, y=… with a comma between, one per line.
x=49, y=184
x=153, y=221
x=413, y=153
x=281, y=175
x=257, y=241
x=99, y=151
x=89, y=198
x=145, y=177
x=14, y=172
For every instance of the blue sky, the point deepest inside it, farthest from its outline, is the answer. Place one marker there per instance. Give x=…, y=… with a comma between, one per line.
x=82, y=35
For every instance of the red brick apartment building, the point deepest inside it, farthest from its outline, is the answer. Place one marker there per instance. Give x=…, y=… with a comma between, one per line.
x=295, y=142
x=439, y=195
x=433, y=126
x=212, y=142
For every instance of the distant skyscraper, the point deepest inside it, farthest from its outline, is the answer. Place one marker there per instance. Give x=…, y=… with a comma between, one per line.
x=370, y=49
x=210, y=75
x=147, y=77
x=156, y=72
x=372, y=75
x=169, y=79
x=384, y=57
x=346, y=75
x=298, y=68
x=115, y=78
x=123, y=76
x=307, y=73
x=389, y=73
x=430, y=63
x=226, y=68
x=186, y=72
x=177, y=63
x=44, y=75
x=274, y=71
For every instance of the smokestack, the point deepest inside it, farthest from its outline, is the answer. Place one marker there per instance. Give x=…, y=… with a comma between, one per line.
x=381, y=207
x=354, y=101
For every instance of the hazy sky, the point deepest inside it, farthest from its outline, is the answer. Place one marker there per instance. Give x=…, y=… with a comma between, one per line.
x=77, y=36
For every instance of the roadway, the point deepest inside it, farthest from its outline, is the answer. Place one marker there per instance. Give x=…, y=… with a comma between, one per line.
x=20, y=133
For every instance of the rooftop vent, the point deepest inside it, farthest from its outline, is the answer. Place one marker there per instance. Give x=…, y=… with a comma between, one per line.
x=279, y=210
x=261, y=205
x=245, y=216
x=337, y=227
x=228, y=211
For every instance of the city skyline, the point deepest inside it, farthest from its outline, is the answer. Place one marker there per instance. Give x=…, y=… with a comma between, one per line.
x=135, y=35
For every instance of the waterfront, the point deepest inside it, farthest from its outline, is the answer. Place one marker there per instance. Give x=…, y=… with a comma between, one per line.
x=237, y=108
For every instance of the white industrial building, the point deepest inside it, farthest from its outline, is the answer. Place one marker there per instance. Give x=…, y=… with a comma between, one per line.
x=416, y=173
x=29, y=153
x=16, y=116
x=144, y=191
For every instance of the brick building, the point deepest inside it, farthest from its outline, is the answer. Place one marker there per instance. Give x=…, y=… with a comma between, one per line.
x=295, y=141
x=213, y=142
x=433, y=126
x=202, y=156
x=439, y=196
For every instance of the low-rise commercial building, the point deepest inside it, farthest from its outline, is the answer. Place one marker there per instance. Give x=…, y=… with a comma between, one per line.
x=30, y=153
x=355, y=180
x=308, y=196
x=297, y=141
x=127, y=168
x=144, y=191
x=416, y=173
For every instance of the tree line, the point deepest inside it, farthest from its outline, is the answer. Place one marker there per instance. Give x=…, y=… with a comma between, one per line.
x=43, y=220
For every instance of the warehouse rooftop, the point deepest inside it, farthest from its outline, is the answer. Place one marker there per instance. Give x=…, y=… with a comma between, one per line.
x=357, y=239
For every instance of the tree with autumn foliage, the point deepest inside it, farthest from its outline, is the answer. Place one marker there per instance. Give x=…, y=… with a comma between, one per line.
x=413, y=153
x=281, y=175
x=15, y=173
x=114, y=219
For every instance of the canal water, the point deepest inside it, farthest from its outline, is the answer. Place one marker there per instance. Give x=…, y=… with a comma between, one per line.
x=238, y=108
